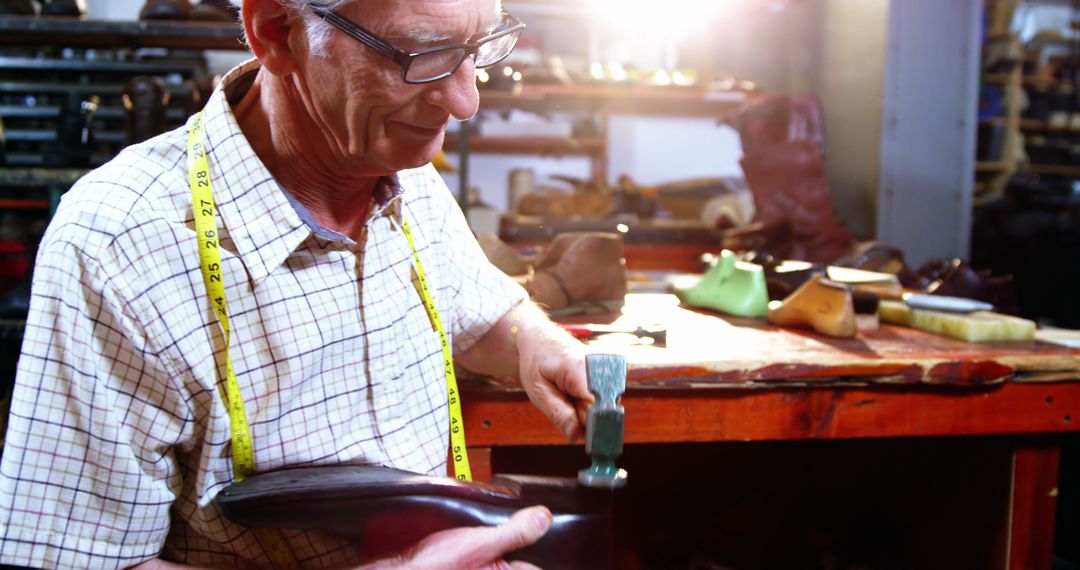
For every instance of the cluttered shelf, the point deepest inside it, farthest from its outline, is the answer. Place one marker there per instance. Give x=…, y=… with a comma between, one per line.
x=1070, y=171
x=991, y=166
x=628, y=99
x=1038, y=125
x=545, y=146
x=78, y=32
x=1025, y=80
x=11, y=176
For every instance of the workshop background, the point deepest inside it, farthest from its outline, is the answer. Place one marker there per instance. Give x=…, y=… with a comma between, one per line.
x=935, y=141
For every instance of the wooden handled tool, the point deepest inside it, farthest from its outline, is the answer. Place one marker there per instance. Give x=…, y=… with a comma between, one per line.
x=585, y=332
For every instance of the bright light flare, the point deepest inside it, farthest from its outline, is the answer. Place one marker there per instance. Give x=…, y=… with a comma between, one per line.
x=673, y=16
x=596, y=70
x=616, y=72
x=682, y=79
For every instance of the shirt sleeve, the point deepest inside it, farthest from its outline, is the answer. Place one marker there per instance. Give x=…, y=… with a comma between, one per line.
x=87, y=475
x=481, y=293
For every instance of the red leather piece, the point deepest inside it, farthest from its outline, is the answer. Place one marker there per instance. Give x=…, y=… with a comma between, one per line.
x=788, y=182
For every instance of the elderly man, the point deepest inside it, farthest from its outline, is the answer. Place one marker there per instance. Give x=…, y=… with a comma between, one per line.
x=307, y=175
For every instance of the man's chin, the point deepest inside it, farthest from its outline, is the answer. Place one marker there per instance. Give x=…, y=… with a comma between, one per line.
x=416, y=157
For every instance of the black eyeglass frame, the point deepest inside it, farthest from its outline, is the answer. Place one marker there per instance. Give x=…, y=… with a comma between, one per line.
x=404, y=59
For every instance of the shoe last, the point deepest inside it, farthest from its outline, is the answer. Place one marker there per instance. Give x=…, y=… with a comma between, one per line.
x=824, y=305
x=730, y=286
x=580, y=270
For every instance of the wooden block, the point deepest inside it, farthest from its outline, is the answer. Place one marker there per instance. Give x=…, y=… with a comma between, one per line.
x=977, y=326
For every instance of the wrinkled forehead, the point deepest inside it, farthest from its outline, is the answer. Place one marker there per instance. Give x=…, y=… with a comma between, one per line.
x=427, y=21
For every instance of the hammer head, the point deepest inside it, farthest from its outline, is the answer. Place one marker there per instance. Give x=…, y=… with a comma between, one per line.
x=606, y=374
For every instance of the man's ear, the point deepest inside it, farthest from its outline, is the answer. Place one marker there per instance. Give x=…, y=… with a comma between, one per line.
x=267, y=25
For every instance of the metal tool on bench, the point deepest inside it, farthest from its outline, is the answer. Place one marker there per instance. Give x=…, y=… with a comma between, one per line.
x=386, y=510
x=585, y=332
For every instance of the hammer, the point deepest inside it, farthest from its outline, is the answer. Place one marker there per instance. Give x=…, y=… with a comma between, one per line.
x=606, y=375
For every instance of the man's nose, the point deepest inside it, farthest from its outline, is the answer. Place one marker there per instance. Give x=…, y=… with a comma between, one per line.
x=457, y=93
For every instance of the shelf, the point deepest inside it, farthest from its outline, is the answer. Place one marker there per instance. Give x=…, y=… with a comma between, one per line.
x=183, y=88
x=1030, y=80
x=556, y=146
x=75, y=32
x=40, y=176
x=1036, y=125
x=991, y=166
x=1027, y=81
x=103, y=113
x=627, y=99
x=1053, y=169
x=91, y=65
x=23, y=204
x=49, y=135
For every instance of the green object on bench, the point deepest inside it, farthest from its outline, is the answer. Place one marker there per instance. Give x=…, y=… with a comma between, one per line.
x=606, y=375
x=730, y=286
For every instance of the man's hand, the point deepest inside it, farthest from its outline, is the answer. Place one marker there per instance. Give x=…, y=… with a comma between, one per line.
x=552, y=371
x=550, y=363
x=473, y=548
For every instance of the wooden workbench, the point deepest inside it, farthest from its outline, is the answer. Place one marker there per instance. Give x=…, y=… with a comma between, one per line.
x=731, y=380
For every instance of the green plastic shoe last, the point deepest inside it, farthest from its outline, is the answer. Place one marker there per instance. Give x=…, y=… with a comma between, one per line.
x=730, y=286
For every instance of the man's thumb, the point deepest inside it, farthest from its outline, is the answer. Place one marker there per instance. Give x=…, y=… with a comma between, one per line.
x=523, y=529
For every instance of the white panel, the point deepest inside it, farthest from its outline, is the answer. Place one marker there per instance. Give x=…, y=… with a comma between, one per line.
x=849, y=84
x=662, y=149
x=928, y=127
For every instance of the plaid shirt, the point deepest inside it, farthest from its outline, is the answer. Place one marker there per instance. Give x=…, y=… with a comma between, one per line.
x=119, y=439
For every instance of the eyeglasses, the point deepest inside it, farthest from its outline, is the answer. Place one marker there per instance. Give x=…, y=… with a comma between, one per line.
x=433, y=64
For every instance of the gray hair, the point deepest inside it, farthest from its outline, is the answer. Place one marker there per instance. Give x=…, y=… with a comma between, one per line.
x=318, y=31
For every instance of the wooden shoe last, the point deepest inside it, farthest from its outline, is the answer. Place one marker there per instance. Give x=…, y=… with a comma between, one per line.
x=578, y=270
x=824, y=305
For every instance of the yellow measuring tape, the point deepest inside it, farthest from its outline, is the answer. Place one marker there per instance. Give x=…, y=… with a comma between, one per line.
x=202, y=201
x=457, y=427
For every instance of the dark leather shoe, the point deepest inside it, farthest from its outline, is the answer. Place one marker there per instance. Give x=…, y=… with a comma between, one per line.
x=784, y=278
x=16, y=8
x=74, y=132
x=202, y=87
x=956, y=278
x=773, y=238
x=145, y=99
x=67, y=8
x=881, y=257
x=165, y=10
x=387, y=510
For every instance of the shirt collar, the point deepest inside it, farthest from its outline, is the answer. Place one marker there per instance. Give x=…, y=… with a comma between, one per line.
x=264, y=222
